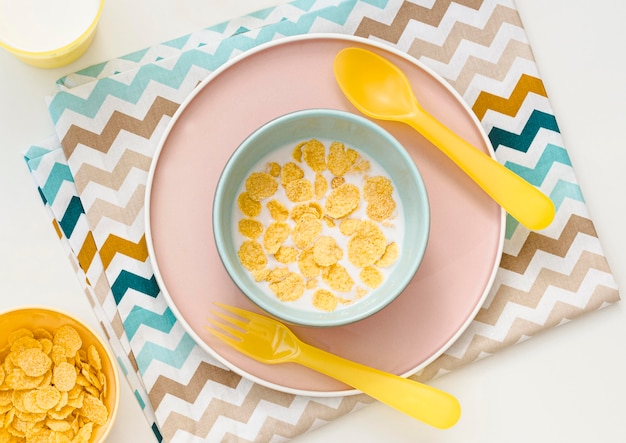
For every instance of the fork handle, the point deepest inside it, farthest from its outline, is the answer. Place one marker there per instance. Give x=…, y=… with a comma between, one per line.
x=423, y=402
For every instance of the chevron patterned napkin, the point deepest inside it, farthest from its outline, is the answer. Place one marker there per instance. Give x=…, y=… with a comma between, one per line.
x=109, y=118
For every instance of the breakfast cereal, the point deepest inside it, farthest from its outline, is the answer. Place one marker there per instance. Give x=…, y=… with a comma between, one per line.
x=325, y=300
x=311, y=208
x=278, y=211
x=250, y=228
x=252, y=256
x=286, y=254
x=275, y=235
x=340, y=159
x=261, y=185
x=323, y=219
x=367, y=245
x=299, y=190
x=247, y=205
x=314, y=155
x=371, y=276
x=273, y=169
x=320, y=186
x=307, y=265
x=42, y=399
x=389, y=257
x=343, y=200
x=337, y=277
x=326, y=252
x=377, y=193
x=306, y=230
x=290, y=172
x=290, y=288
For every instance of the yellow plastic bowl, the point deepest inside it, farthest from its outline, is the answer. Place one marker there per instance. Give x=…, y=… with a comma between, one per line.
x=49, y=319
x=61, y=56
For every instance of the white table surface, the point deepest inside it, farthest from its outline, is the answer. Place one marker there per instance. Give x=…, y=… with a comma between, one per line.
x=565, y=385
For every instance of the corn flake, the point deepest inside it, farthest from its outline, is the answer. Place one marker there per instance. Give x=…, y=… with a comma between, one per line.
x=367, y=245
x=17, y=379
x=320, y=186
x=260, y=185
x=377, y=193
x=247, y=205
x=64, y=376
x=68, y=339
x=260, y=274
x=84, y=433
x=5, y=397
x=94, y=410
x=371, y=276
x=381, y=208
x=296, y=154
x=326, y=252
x=290, y=288
x=338, y=278
x=286, y=254
x=392, y=251
x=375, y=186
x=311, y=208
x=299, y=190
x=47, y=397
x=252, y=256
x=250, y=228
x=341, y=159
x=348, y=226
x=275, y=235
x=314, y=155
x=278, y=211
x=290, y=172
x=325, y=300
x=342, y=201
x=33, y=362
x=17, y=334
x=307, y=265
x=25, y=342
x=306, y=230
x=362, y=166
x=273, y=169
x=94, y=358
x=277, y=274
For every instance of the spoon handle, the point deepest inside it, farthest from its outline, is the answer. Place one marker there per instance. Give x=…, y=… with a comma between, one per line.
x=420, y=401
x=522, y=200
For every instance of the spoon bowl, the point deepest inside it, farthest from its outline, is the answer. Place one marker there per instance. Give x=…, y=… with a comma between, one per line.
x=380, y=90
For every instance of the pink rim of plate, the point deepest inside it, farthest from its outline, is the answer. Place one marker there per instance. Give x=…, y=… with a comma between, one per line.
x=467, y=228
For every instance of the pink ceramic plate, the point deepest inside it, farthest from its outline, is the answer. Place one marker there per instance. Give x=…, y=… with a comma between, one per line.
x=287, y=75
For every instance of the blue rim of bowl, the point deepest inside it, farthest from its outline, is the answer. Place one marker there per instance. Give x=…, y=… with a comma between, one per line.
x=323, y=319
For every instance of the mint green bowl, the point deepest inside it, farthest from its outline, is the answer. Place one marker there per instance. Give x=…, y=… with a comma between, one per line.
x=360, y=134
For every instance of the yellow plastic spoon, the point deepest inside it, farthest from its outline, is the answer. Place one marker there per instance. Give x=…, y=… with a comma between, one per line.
x=379, y=89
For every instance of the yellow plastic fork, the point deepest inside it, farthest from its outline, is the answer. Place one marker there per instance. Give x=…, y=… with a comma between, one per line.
x=269, y=341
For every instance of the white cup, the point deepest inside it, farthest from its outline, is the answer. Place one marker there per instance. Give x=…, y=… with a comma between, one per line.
x=48, y=33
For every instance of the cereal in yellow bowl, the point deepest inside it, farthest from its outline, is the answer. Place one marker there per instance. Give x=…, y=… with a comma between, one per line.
x=58, y=379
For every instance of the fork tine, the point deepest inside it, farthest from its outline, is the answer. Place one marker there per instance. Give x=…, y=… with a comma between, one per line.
x=225, y=327
x=235, y=328
x=223, y=337
x=230, y=320
x=237, y=311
